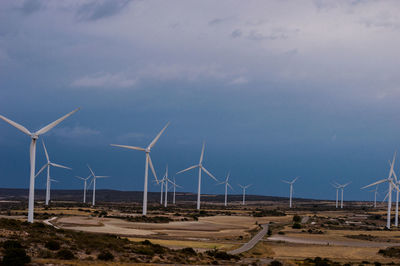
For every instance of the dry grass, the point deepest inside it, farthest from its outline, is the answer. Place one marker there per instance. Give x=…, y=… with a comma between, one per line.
x=261, y=250
x=291, y=251
x=186, y=243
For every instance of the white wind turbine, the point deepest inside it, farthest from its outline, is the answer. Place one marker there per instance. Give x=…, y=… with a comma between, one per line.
x=391, y=184
x=244, y=193
x=94, y=184
x=174, y=185
x=34, y=136
x=148, y=162
x=337, y=193
x=201, y=168
x=341, y=187
x=48, y=164
x=375, y=194
x=84, y=186
x=226, y=188
x=291, y=190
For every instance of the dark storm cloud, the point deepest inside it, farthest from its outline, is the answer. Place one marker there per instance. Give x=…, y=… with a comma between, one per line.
x=275, y=88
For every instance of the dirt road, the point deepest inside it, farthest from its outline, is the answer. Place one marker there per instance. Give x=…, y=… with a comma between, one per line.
x=252, y=242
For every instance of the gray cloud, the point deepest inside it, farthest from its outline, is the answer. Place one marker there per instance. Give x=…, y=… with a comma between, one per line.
x=95, y=10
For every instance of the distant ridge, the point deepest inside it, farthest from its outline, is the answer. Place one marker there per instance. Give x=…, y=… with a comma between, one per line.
x=108, y=195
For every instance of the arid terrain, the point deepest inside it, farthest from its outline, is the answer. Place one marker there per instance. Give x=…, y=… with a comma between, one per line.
x=311, y=233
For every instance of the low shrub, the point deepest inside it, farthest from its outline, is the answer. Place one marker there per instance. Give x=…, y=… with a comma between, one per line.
x=65, y=254
x=105, y=255
x=15, y=257
x=52, y=245
x=296, y=226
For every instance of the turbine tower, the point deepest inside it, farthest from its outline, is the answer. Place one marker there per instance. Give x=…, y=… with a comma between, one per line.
x=48, y=164
x=34, y=137
x=148, y=162
x=291, y=190
x=201, y=168
x=244, y=193
x=84, y=186
x=94, y=184
x=391, y=184
x=226, y=188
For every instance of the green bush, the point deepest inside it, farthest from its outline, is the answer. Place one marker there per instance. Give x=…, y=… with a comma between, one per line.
x=52, y=245
x=15, y=257
x=11, y=244
x=296, y=226
x=275, y=263
x=65, y=254
x=188, y=251
x=105, y=255
x=296, y=219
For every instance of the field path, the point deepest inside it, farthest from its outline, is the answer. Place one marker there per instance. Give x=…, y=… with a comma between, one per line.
x=252, y=242
x=49, y=220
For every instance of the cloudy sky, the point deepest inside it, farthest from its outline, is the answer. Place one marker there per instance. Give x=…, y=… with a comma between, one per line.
x=277, y=89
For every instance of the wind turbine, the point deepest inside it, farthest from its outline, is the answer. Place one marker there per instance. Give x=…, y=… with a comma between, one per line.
x=174, y=185
x=48, y=164
x=391, y=184
x=94, y=184
x=341, y=187
x=226, y=188
x=244, y=193
x=337, y=193
x=375, y=194
x=34, y=136
x=84, y=186
x=291, y=190
x=148, y=162
x=201, y=168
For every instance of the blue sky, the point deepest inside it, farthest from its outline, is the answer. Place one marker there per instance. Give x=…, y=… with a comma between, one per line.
x=277, y=89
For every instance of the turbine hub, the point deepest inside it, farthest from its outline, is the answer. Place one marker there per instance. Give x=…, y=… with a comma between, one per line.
x=35, y=137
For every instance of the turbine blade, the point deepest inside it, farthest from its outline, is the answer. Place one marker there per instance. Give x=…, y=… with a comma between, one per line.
x=375, y=183
x=55, y=123
x=129, y=147
x=102, y=176
x=60, y=166
x=158, y=136
x=41, y=169
x=45, y=152
x=152, y=168
x=227, y=177
x=229, y=185
x=18, y=126
x=202, y=153
x=284, y=181
x=91, y=171
x=208, y=173
x=248, y=186
x=80, y=177
x=294, y=180
x=53, y=180
x=187, y=169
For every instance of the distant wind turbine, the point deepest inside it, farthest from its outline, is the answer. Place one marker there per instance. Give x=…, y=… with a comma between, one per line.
x=94, y=184
x=244, y=193
x=48, y=164
x=34, y=136
x=201, y=168
x=174, y=185
x=226, y=188
x=337, y=194
x=341, y=187
x=391, y=184
x=84, y=186
x=148, y=162
x=291, y=190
